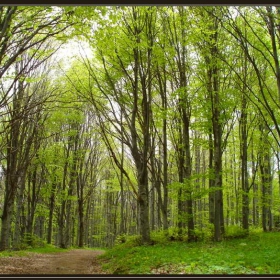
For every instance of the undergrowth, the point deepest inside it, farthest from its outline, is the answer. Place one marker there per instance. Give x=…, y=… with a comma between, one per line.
x=23, y=252
x=239, y=253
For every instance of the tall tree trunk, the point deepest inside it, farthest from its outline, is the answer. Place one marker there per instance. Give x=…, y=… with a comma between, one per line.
x=163, y=93
x=62, y=215
x=51, y=212
x=18, y=219
x=217, y=132
x=180, y=167
x=213, y=81
x=266, y=179
x=187, y=176
x=81, y=223
x=244, y=165
x=122, y=224
x=6, y=217
x=144, y=226
x=211, y=181
x=14, y=165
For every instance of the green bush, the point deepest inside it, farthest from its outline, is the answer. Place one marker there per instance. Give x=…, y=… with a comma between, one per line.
x=174, y=235
x=206, y=233
x=235, y=231
x=160, y=236
x=31, y=241
x=129, y=241
x=120, y=239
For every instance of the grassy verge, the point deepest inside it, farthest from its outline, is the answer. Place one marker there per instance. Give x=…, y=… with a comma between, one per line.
x=46, y=249
x=256, y=254
x=43, y=250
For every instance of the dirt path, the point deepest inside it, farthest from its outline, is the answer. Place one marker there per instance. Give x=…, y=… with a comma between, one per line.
x=78, y=261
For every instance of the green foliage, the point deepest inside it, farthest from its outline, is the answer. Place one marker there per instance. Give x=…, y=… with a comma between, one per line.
x=160, y=237
x=128, y=241
x=205, y=233
x=10, y=253
x=235, y=232
x=47, y=248
x=255, y=254
x=31, y=241
x=106, y=83
x=174, y=234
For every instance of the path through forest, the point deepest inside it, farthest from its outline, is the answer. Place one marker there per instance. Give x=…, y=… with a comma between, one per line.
x=78, y=261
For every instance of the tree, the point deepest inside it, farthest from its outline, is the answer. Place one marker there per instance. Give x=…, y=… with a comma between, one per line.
x=178, y=37
x=261, y=52
x=23, y=128
x=139, y=25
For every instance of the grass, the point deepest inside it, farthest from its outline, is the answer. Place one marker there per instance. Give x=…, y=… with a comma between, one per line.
x=256, y=254
x=46, y=249
x=53, y=249
x=43, y=250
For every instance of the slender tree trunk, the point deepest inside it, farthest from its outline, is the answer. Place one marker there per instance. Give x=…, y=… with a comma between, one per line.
x=51, y=212
x=244, y=166
x=198, y=185
x=211, y=181
x=122, y=224
x=165, y=163
x=217, y=132
x=187, y=175
x=266, y=179
x=18, y=220
x=152, y=207
x=62, y=210
x=34, y=188
x=155, y=185
x=81, y=222
x=180, y=165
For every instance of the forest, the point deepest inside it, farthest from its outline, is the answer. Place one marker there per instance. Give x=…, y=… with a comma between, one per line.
x=118, y=121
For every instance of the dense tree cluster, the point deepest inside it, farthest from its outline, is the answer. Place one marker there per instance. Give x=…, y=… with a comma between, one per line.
x=172, y=123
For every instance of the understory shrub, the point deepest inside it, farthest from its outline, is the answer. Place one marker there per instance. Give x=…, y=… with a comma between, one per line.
x=128, y=240
x=205, y=233
x=31, y=241
x=235, y=231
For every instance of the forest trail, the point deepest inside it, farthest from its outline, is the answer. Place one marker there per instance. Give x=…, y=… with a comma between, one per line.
x=77, y=261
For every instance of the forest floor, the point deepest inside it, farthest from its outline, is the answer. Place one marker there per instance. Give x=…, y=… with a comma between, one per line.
x=77, y=261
